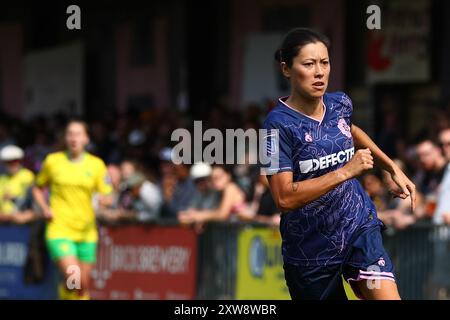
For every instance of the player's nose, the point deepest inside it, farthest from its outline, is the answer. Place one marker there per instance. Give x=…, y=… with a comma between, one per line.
x=319, y=72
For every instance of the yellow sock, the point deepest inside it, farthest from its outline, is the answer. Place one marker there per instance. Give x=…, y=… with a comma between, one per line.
x=66, y=294
x=85, y=296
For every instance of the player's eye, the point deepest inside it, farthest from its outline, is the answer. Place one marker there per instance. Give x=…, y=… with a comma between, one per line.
x=308, y=64
x=325, y=62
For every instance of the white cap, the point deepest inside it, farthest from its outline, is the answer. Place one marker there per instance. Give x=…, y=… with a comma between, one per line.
x=200, y=170
x=11, y=152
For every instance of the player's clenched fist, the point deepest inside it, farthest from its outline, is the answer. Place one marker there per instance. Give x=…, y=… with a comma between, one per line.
x=361, y=161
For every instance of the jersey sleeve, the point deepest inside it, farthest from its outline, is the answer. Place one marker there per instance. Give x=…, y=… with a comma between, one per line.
x=43, y=177
x=277, y=144
x=103, y=182
x=347, y=108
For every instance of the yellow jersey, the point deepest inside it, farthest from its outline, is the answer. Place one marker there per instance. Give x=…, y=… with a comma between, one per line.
x=72, y=185
x=14, y=187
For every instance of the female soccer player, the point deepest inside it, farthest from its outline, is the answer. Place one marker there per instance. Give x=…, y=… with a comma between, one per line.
x=71, y=234
x=329, y=226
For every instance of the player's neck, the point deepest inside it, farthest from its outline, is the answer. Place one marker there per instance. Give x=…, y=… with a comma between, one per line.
x=75, y=157
x=311, y=107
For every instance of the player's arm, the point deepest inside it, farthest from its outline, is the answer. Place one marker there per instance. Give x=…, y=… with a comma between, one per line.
x=104, y=187
x=290, y=195
x=39, y=198
x=362, y=140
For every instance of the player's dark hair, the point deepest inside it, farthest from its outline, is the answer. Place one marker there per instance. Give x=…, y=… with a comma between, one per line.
x=295, y=40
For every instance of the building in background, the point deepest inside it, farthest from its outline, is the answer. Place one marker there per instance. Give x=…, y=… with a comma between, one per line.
x=192, y=57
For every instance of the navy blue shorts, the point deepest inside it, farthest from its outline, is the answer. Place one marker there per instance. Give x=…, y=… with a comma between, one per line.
x=367, y=261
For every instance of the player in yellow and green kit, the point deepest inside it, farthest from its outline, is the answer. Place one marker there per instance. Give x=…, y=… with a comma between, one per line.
x=73, y=176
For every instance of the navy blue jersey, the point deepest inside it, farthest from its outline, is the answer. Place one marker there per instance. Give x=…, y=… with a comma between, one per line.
x=317, y=233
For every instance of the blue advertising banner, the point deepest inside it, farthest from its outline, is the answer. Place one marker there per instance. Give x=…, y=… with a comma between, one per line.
x=14, y=242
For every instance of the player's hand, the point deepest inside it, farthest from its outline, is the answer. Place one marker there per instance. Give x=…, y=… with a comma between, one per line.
x=405, y=186
x=47, y=213
x=361, y=161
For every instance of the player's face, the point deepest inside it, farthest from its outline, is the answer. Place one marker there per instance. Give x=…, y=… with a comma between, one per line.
x=76, y=138
x=310, y=70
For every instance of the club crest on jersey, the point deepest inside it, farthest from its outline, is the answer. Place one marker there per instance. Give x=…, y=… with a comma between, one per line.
x=381, y=262
x=308, y=137
x=345, y=129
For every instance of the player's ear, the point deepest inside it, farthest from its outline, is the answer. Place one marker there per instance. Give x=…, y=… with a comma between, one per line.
x=285, y=70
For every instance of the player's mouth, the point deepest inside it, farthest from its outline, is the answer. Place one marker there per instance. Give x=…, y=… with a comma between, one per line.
x=319, y=85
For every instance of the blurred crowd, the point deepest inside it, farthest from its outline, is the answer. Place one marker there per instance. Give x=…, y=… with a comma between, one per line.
x=148, y=186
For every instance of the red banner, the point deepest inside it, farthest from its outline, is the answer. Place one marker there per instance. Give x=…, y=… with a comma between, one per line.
x=145, y=262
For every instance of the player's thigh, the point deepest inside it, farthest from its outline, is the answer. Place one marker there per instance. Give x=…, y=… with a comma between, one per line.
x=86, y=271
x=369, y=269
x=378, y=289
x=64, y=253
x=87, y=252
x=314, y=283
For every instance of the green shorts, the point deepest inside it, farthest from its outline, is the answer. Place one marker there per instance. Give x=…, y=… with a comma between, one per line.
x=83, y=251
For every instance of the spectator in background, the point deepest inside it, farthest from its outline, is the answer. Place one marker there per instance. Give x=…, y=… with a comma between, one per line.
x=100, y=143
x=115, y=174
x=442, y=214
x=165, y=162
x=36, y=153
x=389, y=138
x=110, y=213
x=127, y=169
x=395, y=212
x=146, y=198
x=262, y=207
x=246, y=173
x=439, y=283
x=5, y=140
x=232, y=200
x=432, y=167
x=206, y=197
x=403, y=205
x=14, y=187
x=177, y=187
